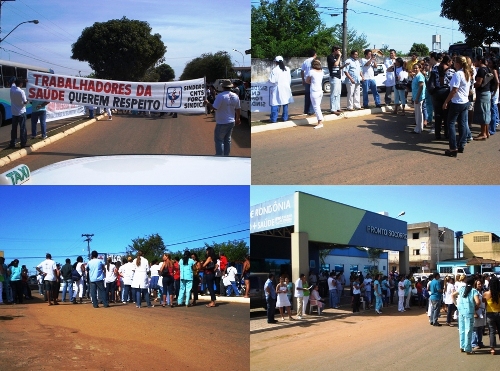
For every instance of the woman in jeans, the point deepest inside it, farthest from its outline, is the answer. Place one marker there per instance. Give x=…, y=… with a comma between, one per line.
x=459, y=106
x=492, y=300
x=441, y=76
x=208, y=267
x=167, y=273
x=482, y=105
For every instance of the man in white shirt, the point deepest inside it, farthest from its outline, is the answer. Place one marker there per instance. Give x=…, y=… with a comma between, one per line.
x=231, y=275
x=48, y=270
x=227, y=115
x=332, y=290
x=304, y=73
x=299, y=294
x=18, y=102
x=390, y=78
x=368, y=63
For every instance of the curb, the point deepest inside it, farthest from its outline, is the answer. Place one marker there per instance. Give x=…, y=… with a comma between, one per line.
x=36, y=146
x=312, y=120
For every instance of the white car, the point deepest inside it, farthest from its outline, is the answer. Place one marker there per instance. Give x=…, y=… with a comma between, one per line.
x=136, y=170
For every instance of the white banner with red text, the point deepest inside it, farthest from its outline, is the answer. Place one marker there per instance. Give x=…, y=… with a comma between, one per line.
x=177, y=96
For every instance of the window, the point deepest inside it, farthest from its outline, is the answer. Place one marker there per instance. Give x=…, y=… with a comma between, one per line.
x=416, y=236
x=8, y=72
x=445, y=270
x=353, y=268
x=416, y=252
x=483, y=238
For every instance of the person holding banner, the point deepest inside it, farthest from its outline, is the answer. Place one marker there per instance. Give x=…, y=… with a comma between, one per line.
x=281, y=93
x=227, y=115
x=39, y=112
x=18, y=103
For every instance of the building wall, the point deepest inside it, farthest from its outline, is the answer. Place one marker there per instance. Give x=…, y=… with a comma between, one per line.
x=425, y=248
x=353, y=256
x=481, y=244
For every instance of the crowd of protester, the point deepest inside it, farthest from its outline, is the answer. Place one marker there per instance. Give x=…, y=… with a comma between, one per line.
x=446, y=91
x=175, y=281
x=473, y=303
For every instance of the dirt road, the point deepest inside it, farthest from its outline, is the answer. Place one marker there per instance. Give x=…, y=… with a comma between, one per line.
x=340, y=340
x=36, y=336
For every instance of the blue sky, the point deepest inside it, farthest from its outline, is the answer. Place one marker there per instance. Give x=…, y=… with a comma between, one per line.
x=460, y=208
x=399, y=31
x=37, y=220
x=188, y=29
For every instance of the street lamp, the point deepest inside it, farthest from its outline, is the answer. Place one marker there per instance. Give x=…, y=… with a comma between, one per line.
x=35, y=21
x=241, y=55
x=401, y=214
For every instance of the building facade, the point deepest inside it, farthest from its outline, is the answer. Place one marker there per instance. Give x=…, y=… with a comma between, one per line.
x=481, y=244
x=428, y=244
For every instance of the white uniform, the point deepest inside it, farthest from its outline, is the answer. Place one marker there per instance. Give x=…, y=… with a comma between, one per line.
x=140, y=279
x=281, y=93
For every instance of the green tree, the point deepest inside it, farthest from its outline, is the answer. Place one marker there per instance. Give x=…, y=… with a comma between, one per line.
x=213, y=66
x=286, y=27
x=477, y=20
x=152, y=246
x=421, y=49
x=354, y=42
x=235, y=250
x=165, y=72
x=119, y=49
x=292, y=27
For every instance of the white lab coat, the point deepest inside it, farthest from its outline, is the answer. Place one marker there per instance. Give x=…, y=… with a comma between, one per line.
x=281, y=93
x=140, y=279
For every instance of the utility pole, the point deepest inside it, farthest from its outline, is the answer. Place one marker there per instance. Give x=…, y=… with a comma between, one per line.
x=344, y=30
x=88, y=239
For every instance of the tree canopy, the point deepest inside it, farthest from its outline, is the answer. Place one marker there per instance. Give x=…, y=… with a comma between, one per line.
x=213, y=66
x=165, y=72
x=292, y=27
x=477, y=20
x=421, y=49
x=152, y=246
x=235, y=250
x=119, y=49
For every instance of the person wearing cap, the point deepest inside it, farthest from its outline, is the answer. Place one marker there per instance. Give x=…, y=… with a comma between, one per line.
x=227, y=115
x=49, y=271
x=335, y=67
x=281, y=93
x=18, y=106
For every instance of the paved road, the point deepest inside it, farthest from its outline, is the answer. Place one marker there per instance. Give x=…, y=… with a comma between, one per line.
x=340, y=340
x=372, y=149
x=186, y=135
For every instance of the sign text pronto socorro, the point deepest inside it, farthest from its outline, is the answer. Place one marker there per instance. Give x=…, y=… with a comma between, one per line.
x=177, y=96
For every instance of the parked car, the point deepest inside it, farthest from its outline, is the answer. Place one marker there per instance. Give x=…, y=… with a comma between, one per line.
x=257, y=294
x=297, y=86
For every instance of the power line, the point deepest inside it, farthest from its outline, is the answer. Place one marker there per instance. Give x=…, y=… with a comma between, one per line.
x=205, y=238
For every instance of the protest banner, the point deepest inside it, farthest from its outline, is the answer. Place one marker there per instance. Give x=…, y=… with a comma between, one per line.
x=177, y=96
x=261, y=96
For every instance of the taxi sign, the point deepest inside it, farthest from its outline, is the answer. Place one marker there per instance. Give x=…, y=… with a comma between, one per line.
x=16, y=176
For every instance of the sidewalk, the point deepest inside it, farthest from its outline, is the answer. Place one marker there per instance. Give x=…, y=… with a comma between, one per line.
x=304, y=120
